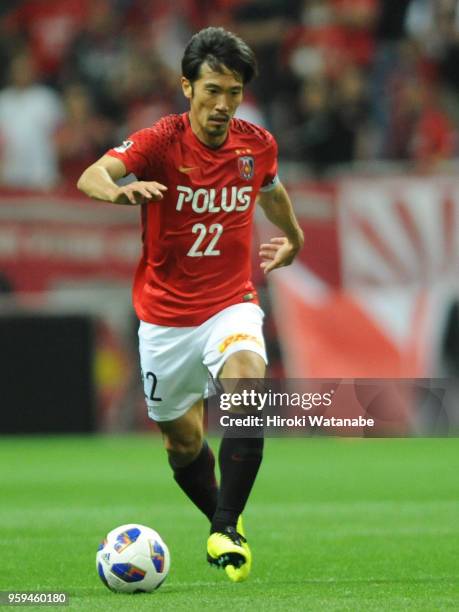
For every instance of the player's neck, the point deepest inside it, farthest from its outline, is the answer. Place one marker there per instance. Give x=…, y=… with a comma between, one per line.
x=203, y=136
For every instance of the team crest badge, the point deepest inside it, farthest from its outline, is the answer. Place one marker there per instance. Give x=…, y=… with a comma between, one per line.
x=246, y=166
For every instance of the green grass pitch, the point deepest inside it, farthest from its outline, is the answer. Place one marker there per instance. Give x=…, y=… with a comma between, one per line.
x=333, y=524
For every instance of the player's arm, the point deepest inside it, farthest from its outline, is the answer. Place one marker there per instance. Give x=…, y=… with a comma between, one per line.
x=98, y=181
x=278, y=209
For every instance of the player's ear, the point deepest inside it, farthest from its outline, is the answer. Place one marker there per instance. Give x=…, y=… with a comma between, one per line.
x=187, y=88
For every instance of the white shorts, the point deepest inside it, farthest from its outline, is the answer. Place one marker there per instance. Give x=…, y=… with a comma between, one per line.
x=176, y=361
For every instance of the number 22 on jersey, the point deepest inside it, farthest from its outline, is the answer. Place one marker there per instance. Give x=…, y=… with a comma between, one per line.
x=216, y=230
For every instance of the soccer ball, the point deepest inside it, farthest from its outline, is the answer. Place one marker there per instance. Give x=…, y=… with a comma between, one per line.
x=133, y=558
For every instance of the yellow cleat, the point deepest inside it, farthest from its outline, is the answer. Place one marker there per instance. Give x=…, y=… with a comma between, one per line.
x=229, y=549
x=240, y=526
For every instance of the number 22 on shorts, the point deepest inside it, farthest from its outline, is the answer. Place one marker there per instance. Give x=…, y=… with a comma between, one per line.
x=154, y=381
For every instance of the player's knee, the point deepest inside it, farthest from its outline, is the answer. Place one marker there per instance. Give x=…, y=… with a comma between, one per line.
x=183, y=448
x=244, y=364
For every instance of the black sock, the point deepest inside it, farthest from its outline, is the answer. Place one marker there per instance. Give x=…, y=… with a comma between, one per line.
x=239, y=460
x=197, y=480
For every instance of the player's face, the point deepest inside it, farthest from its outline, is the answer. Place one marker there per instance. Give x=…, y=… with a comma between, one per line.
x=214, y=98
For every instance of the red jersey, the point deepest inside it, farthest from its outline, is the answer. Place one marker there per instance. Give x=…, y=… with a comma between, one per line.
x=196, y=257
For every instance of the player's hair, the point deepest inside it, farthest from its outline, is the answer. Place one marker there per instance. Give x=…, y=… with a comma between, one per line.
x=218, y=48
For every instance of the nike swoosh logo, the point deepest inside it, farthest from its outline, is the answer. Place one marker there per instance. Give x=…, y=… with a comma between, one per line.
x=186, y=170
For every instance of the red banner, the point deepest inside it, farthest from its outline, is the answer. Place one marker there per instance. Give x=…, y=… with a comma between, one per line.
x=45, y=240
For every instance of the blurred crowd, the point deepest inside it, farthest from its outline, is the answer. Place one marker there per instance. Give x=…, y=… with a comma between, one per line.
x=340, y=81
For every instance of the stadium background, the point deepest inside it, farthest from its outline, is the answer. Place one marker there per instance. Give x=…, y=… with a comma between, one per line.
x=362, y=96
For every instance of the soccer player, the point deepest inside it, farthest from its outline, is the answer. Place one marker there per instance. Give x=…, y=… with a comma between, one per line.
x=199, y=176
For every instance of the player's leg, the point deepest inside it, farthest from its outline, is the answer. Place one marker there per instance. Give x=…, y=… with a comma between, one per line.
x=174, y=380
x=239, y=461
x=191, y=459
x=239, y=457
x=235, y=350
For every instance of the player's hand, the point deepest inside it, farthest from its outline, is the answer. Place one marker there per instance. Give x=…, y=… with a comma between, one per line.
x=277, y=253
x=139, y=192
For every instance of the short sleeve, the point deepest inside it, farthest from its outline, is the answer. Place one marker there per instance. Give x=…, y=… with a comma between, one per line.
x=137, y=152
x=271, y=179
